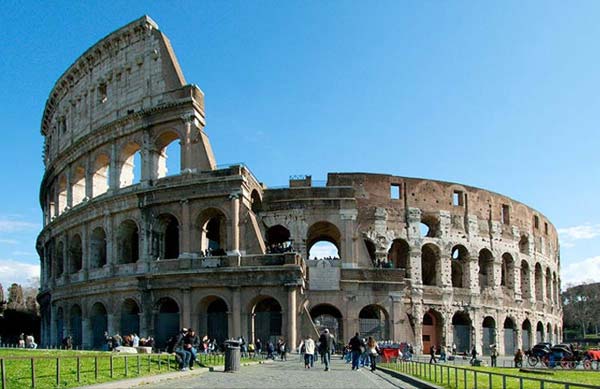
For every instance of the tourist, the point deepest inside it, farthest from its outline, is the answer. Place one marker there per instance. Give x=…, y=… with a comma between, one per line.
x=191, y=344
x=283, y=349
x=251, y=349
x=307, y=347
x=373, y=351
x=117, y=341
x=493, y=355
x=356, y=347
x=30, y=342
x=519, y=358
x=432, y=354
x=270, y=350
x=453, y=348
x=135, y=340
x=473, y=355
x=243, y=347
x=22, y=340
x=179, y=349
x=258, y=346
x=443, y=354
x=108, y=342
x=326, y=345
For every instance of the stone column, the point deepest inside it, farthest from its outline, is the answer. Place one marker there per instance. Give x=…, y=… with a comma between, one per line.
x=235, y=223
x=236, y=309
x=517, y=281
x=53, y=326
x=69, y=188
x=113, y=179
x=291, y=320
x=86, y=333
x=395, y=316
x=186, y=144
x=348, y=217
x=184, y=236
x=89, y=177
x=111, y=239
x=186, y=312
x=113, y=326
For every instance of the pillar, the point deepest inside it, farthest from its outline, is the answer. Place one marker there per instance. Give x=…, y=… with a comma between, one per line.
x=186, y=312
x=235, y=223
x=186, y=144
x=236, y=309
x=69, y=188
x=89, y=177
x=185, y=228
x=113, y=326
x=113, y=179
x=292, y=315
x=86, y=333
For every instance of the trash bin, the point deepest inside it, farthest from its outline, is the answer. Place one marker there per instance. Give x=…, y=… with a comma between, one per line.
x=232, y=356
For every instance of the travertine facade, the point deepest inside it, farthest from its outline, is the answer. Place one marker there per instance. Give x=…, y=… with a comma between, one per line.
x=126, y=247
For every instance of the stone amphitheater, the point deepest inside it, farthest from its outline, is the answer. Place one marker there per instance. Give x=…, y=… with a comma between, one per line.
x=129, y=246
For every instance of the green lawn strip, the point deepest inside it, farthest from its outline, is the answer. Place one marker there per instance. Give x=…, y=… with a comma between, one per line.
x=18, y=371
x=450, y=381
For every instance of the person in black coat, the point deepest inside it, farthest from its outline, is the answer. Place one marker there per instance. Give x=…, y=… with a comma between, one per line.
x=357, y=347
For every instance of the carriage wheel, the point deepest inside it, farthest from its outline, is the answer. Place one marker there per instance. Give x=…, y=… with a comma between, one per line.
x=545, y=361
x=566, y=364
x=532, y=360
x=587, y=364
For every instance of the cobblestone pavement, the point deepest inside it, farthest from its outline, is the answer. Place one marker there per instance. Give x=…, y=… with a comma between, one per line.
x=290, y=374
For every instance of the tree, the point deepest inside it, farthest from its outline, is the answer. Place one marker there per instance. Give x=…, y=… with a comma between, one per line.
x=581, y=307
x=16, y=300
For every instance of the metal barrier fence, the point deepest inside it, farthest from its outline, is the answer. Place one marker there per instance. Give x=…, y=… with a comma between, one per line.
x=464, y=378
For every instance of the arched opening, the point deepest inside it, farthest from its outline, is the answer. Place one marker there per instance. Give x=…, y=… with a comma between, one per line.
x=98, y=248
x=460, y=263
x=323, y=241
x=430, y=226
x=430, y=263
x=555, y=287
x=256, y=202
x=486, y=269
x=166, y=321
x=373, y=321
x=525, y=287
x=433, y=324
x=489, y=334
x=213, y=228
x=326, y=316
x=78, y=185
x=539, y=332
x=62, y=194
x=539, y=280
x=100, y=178
x=556, y=338
x=169, y=236
x=549, y=333
x=370, y=249
x=548, y=285
x=526, y=335
x=461, y=330
x=75, y=318
x=524, y=245
x=99, y=323
x=278, y=240
x=510, y=336
x=267, y=320
x=215, y=321
x=128, y=241
x=75, y=254
x=60, y=258
x=508, y=270
x=130, y=317
x=169, y=159
x=60, y=326
x=129, y=172
x=399, y=254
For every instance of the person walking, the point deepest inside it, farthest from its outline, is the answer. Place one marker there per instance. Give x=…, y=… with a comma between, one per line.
x=308, y=347
x=432, y=354
x=373, y=351
x=493, y=355
x=443, y=354
x=326, y=345
x=356, y=347
x=473, y=355
x=283, y=349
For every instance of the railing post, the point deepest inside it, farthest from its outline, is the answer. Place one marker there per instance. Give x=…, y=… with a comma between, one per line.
x=159, y=361
x=78, y=369
x=541, y=384
x=465, y=377
x=138, y=365
x=149, y=362
x=521, y=382
x=475, y=382
x=32, y=372
x=96, y=368
x=455, y=378
x=126, y=367
x=58, y=371
x=111, y=367
x=503, y=381
x=3, y=373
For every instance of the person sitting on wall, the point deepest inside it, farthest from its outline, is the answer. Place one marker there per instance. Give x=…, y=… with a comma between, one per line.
x=182, y=353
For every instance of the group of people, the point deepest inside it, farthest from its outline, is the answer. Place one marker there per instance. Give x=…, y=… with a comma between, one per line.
x=324, y=347
x=27, y=341
x=362, y=352
x=185, y=345
x=131, y=340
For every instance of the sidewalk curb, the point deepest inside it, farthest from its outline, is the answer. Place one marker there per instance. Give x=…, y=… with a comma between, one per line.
x=410, y=379
x=150, y=379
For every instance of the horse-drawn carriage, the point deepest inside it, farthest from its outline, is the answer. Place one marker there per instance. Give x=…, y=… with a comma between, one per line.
x=563, y=355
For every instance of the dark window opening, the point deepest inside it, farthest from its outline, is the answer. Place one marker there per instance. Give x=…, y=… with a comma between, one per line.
x=102, y=93
x=536, y=222
x=505, y=214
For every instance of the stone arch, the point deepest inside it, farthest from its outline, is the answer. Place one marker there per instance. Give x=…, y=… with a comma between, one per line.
x=166, y=321
x=78, y=189
x=267, y=319
x=213, y=319
x=399, y=254
x=76, y=324
x=460, y=263
x=99, y=325
x=508, y=269
x=461, y=330
x=97, y=248
x=62, y=194
x=526, y=334
x=525, y=280
x=101, y=174
x=327, y=316
x=164, y=144
x=255, y=201
x=60, y=258
x=430, y=265
x=130, y=317
x=510, y=336
x=430, y=225
x=556, y=338
x=373, y=320
x=324, y=231
x=524, y=245
x=278, y=239
x=212, y=223
x=168, y=231
x=549, y=333
x=371, y=249
x=486, y=269
x=555, y=287
x=129, y=155
x=75, y=254
x=128, y=242
x=549, y=294
x=433, y=324
x=539, y=332
x=488, y=327
x=60, y=325
x=539, y=281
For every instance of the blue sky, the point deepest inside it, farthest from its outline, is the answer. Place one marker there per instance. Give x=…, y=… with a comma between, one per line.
x=500, y=95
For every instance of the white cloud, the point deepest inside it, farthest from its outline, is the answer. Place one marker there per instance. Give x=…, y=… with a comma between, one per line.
x=587, y=270
x=9, y=241
x=12, y=271
x=569, y=235
x=10, y=225
x=27, y=254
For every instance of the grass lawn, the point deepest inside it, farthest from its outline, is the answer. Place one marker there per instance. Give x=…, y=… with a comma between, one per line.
x=439, y=371
x=19, y=373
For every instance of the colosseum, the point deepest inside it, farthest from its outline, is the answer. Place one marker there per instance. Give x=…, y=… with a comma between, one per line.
x=129, y=246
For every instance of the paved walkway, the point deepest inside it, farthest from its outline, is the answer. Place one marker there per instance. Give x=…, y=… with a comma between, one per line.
x=290, y=374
